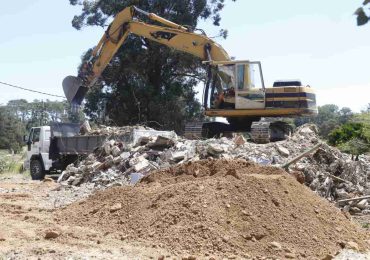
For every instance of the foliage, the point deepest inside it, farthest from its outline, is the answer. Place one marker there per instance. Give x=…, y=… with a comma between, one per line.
x=362, y=16
x=11, y=131
x=353, y=137
x=18, y=116
x=147, y=82
x=345, y=133
x=364, y=119
x=41, y=112
x=355, y=147
x=328, y=118
x=10, y=163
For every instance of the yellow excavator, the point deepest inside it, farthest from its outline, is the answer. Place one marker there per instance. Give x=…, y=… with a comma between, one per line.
x=234, y=89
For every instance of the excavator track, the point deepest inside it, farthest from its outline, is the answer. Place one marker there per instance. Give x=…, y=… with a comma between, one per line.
x=260, y=132
x=264, y=132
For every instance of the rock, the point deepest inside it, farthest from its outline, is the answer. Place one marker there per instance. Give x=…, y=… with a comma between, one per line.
x=125, y=155
x=214, y=149
x=342, y=194
x=161, y=142
x=116, y=151
x=354, y=210
x=107, y=148
x=328, y=257
x=2, y=238
x=115, y=207
x=290, y=256
x=352, y=245
x=51, y=234
x=117, y=160
x=362, y=204
x=77, y=181
x=306, y=130
x=276, y=245
x=47, y=179
x=178, y=156
x=71, y=179
x=239, y=140
x=282, y=150
x=140, y=166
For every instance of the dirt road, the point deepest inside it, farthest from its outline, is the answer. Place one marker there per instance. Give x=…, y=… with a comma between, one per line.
x=26, y=215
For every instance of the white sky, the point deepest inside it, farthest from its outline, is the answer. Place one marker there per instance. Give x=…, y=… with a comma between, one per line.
x=315, y=41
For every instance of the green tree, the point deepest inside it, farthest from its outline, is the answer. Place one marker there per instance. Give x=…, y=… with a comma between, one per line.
x=147, y=82
x=327, y=119
x=362, y=16
x=11, y=131
x=355, y=147
x=354, y=136
x=345, y=133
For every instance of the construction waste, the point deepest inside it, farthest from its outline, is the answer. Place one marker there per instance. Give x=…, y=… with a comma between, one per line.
x=121, y=161
x=219, y=209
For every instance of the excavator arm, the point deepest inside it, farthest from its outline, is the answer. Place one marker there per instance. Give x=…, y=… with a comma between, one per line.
x=126, y=23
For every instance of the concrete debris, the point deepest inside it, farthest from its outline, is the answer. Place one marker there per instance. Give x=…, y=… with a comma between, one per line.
x=327, y=171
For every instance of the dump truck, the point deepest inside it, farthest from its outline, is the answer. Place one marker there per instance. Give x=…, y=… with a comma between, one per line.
x=50, y=149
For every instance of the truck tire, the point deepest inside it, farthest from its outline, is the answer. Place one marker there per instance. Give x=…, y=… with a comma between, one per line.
x=37, y=170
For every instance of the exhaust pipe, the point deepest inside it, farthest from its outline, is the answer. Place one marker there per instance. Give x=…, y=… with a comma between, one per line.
x=74, y=90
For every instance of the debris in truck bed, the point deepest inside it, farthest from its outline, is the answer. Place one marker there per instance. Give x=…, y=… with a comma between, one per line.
x=220, y=208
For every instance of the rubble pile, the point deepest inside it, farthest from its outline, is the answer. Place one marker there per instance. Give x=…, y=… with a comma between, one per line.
x=212, y=209
x=327, y=171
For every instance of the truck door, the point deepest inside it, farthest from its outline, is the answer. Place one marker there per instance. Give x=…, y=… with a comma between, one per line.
x=34, y=141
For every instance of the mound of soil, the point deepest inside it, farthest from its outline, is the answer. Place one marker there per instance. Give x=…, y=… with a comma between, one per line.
x=220, y=208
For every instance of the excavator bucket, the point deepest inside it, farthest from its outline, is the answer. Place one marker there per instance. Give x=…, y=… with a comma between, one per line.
x=74, y=89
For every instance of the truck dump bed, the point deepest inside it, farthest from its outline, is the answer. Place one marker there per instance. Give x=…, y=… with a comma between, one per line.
x=65, y=139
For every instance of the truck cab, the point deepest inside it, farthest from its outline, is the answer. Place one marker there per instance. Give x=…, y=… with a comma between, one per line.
x=37, y=160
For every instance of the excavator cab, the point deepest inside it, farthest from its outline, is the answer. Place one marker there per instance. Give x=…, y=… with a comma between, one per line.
x=240, y=84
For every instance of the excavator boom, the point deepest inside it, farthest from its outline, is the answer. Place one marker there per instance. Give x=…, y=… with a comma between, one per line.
x=124, y=24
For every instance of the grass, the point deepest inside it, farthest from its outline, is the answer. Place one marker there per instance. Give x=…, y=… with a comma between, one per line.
x=11, y=163
x=366, y=225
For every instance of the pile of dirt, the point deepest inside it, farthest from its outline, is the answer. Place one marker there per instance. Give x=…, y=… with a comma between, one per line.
x=220, y=208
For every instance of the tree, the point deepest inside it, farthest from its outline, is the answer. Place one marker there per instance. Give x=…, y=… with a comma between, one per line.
x=355, y=147
x=147, y=82
x=11, y=131
x=354, y=136
x=327, y=119
x=362, y=16
x=345, y=133
x=345, y=115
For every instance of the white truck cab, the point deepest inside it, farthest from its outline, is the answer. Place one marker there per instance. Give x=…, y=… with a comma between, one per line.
x=38, y=143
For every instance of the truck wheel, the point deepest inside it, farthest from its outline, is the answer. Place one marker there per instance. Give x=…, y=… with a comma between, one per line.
x=36, y=169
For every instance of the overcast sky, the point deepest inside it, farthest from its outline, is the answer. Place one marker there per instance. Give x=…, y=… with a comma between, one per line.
x=315, y=41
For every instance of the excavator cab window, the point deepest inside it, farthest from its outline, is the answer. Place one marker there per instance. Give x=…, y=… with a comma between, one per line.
x=241, y=76
x=242, y=85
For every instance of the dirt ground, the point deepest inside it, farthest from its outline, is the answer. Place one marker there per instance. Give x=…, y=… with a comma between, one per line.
x=26, y=214
x=30, y=209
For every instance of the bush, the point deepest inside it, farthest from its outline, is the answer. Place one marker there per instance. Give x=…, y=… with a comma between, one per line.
x=345, y=133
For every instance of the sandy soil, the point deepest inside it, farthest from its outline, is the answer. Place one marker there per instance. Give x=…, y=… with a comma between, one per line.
x=31, y=209
x=26, y=214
